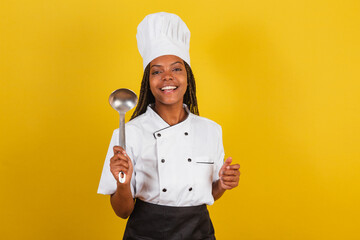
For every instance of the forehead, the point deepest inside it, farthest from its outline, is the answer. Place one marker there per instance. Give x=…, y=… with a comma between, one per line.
x=166, y=60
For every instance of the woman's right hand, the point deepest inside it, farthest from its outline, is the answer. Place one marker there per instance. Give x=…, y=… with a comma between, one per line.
x=121, y=162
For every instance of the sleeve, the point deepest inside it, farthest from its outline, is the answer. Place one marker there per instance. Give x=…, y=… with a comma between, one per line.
x=219, y=154
x=107, y=185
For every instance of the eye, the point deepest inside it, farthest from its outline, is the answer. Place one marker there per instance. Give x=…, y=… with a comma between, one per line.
x=177, y=69
x=155, y=72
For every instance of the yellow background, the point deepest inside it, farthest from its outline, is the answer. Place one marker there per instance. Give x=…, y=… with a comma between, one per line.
x=281, y=77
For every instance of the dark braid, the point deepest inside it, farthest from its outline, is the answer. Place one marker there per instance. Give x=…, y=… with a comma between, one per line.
x=190, y=94
x=146, y=96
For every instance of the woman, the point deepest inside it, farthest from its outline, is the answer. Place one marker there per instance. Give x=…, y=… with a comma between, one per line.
x=173, y=158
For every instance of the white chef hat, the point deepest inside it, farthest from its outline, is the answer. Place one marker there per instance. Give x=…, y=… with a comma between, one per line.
x=163, y=34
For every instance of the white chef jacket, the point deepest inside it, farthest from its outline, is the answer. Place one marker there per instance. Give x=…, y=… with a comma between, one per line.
x=173, y=165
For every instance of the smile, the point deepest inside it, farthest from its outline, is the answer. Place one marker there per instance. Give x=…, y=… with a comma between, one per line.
x=168, y=88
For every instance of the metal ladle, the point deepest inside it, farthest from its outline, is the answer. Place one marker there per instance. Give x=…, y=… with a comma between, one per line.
x=122, y=100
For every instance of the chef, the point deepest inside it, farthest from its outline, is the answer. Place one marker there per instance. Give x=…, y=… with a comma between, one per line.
x=174, y=159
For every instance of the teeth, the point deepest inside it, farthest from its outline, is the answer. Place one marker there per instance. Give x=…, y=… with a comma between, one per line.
x=168, y=88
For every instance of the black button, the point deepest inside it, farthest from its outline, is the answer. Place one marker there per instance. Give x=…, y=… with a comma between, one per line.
x=159, y=135
x=190, y=189
x=162, y=160
x=186, y=133
x=189, y=159
x=164, y=190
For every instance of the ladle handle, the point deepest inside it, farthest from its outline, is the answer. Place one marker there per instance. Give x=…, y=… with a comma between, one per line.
x=122, y=176
x=122, y=131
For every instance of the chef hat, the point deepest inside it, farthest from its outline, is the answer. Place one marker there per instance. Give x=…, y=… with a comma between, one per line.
x=163, y=34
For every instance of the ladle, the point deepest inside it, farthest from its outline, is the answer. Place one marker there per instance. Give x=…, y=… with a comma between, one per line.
x=122, y=100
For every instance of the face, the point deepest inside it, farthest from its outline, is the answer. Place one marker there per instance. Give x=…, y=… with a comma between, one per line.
x=168, y=80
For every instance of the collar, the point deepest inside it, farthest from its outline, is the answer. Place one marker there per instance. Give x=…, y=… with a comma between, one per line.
x=164, y=128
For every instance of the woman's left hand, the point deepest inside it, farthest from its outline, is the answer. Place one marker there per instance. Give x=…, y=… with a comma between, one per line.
x=229, y=175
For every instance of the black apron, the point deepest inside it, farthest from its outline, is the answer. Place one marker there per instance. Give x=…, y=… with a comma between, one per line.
x=156, y=222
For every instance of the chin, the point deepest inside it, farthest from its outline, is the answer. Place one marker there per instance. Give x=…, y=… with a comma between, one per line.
x=169, y=102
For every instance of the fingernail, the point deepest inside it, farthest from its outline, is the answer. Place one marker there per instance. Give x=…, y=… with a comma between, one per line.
x=228, y=167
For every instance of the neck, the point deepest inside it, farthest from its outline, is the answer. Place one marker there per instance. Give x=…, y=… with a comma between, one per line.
x=172, y=114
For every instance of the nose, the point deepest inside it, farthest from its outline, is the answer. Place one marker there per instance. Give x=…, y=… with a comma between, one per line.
x=168, y=75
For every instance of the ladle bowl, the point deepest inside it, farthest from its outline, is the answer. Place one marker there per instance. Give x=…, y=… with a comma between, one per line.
x=123, y=100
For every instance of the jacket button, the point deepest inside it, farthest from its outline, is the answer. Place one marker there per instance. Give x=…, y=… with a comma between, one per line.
x=186, y=133
x=164, y=190
x=190, y=189
x=189, y=159
x=159, y=135
x=162, y=160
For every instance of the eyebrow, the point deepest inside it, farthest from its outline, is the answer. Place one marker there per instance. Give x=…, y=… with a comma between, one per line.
x=170, y=64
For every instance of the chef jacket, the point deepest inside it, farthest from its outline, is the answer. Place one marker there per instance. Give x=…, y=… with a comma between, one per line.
x=173, y=165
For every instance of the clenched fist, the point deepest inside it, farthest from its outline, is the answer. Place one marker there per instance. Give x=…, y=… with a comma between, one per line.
x=121, y=162
x=229, y=174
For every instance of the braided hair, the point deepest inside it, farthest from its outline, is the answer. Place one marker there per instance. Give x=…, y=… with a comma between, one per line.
x=146, y=96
